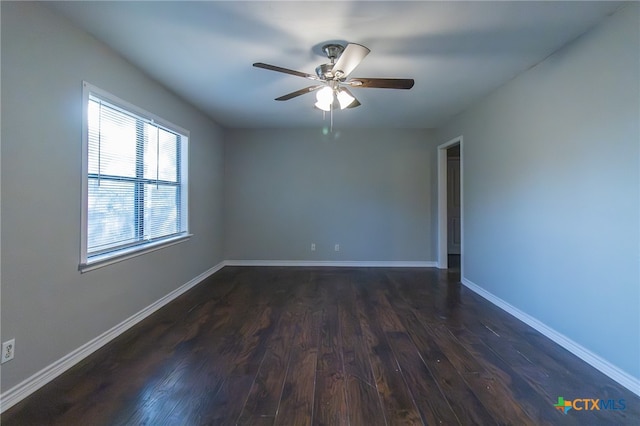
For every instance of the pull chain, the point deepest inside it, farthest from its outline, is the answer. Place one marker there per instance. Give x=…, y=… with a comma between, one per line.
x=331, y=115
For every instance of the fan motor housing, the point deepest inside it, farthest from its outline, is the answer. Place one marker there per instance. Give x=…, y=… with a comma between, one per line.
x=325, y=71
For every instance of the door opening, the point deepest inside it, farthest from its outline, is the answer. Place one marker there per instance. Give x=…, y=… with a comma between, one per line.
x=453, y=206
x=450, y=202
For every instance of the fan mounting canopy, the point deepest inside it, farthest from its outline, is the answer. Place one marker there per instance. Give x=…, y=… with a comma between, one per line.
x=333, y=51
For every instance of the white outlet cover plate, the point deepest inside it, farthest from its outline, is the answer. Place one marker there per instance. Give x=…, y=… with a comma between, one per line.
x=8, y=350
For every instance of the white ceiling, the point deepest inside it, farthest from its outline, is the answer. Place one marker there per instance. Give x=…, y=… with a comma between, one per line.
x=457, y=52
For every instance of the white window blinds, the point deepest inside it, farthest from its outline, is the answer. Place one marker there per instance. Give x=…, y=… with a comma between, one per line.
x=135, y=179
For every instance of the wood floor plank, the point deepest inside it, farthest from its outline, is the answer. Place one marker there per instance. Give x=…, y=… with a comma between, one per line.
x=330, y=401
x=226, y=404
x=362, y=395
x=265, y=393
x=497, y=397
x=463, y=402
x=427, y=395
x=389, y=321
x=396, y=400
x=298, y=392
x=330, y=404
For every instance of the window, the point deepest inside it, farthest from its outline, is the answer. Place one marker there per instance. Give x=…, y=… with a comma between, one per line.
x=134, y=180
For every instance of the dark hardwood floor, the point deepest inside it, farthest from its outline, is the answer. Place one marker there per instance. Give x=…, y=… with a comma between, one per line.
x=327, y=346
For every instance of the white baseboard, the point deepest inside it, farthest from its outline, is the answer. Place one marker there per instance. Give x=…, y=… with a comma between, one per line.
x=25, y=388
x=625, y=379
x=339, y=263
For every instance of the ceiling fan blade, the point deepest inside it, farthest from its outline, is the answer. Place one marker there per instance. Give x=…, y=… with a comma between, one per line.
x=350, y=58
x=284, y=70
x=299, y=92
x=382, y=83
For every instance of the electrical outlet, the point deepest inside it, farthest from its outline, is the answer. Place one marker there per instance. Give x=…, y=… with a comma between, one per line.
x=313, y=246
x=337, y=247
x=8, y=349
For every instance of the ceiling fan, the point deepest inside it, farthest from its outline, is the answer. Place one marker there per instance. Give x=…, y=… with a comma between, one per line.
x=333, y=79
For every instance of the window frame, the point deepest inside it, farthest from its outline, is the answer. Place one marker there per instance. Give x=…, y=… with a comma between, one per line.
x=93, y=261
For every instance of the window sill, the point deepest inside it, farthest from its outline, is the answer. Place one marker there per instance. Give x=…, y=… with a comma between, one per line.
x=128, y=253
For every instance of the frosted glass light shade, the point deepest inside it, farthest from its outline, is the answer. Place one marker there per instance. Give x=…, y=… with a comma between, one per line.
x=345, y=99
x=325, y=95
x=323, y=106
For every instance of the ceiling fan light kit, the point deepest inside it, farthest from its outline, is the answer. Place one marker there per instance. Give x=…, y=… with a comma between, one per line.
x=332, y=78
x=331, y=97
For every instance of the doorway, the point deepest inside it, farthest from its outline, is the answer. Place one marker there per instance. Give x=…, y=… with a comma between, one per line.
x=450, y=202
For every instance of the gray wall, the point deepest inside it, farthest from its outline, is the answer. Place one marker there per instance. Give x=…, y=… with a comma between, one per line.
x=368, y=190
x=551, y=191
x=47, y=305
